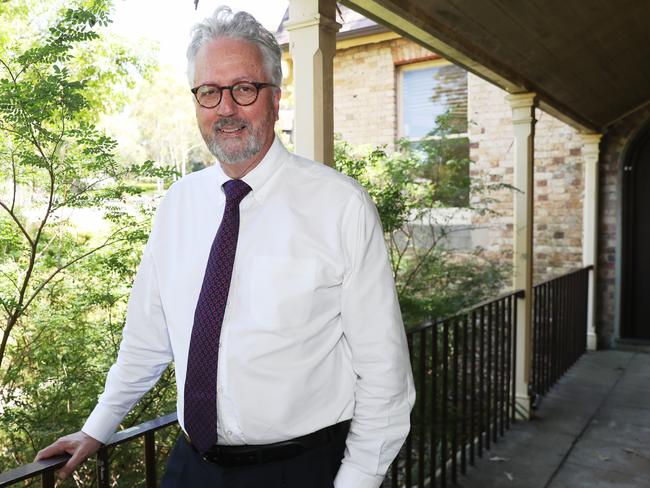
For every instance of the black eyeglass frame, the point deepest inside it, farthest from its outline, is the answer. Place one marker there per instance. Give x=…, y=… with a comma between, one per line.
x=258, y=86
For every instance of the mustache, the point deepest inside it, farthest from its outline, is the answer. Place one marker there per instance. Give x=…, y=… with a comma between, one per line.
x=229, y=123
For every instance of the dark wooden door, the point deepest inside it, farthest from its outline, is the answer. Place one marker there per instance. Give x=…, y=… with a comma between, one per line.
x=636, y=245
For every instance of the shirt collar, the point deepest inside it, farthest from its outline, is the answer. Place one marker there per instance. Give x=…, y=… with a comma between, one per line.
x=260, y=174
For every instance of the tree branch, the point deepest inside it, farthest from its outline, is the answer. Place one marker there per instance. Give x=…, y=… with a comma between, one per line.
x=59, y=138
x=109, y=241
x=11, y=74
x=13, y=282
x=401, y=251
x=4, y=305
x=86, y=189
x=14, y=177
x=14, y=131
x=14, y=217
x=20, y=307
x=419, y=263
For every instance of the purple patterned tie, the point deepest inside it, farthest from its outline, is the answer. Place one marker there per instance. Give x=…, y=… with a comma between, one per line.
x=201, y=382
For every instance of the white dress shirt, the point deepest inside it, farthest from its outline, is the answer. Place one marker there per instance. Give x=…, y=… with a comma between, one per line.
x=312, y=333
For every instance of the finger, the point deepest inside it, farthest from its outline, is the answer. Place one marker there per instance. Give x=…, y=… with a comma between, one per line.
x=76, y=459
x=51, y=450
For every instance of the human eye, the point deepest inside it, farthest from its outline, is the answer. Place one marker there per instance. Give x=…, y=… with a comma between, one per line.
x=208, y=91
x=245, y=88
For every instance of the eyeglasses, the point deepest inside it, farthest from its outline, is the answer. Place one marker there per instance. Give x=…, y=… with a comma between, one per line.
x=243, y=93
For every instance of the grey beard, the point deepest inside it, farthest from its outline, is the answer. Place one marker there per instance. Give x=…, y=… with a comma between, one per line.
x=252, y=147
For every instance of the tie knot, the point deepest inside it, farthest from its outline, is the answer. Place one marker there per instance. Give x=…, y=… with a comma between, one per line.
x=235, y=191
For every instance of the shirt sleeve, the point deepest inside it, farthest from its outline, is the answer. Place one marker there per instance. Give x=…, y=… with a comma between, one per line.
x=372, y=324
x=144, y=354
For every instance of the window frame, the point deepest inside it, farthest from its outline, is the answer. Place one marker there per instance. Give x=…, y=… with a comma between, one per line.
x=400, y=97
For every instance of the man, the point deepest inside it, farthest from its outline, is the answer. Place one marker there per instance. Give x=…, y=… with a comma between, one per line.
x=266, y=280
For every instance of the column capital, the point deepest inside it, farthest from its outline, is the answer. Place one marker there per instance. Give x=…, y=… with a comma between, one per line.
x=522, y=100
x=590, y=137
x=316, y=20
x=591, y=143
x=523, y=109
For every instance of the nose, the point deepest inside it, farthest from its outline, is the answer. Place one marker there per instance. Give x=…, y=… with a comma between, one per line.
x=227, y=105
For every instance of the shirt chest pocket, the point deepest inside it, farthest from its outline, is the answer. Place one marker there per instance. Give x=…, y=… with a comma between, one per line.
x=282, y=290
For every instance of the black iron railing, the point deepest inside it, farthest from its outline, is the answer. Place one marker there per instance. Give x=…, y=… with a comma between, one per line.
x=464, y=370
x=45, y=469
x=559, y=327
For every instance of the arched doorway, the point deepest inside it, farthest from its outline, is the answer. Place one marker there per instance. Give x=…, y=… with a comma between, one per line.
x=635, y=285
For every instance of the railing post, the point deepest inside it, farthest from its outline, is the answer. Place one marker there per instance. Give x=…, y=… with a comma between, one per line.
x=47, y=479
x=102, y=468
x=590, y=151
x=150, y=459
x=523, y=121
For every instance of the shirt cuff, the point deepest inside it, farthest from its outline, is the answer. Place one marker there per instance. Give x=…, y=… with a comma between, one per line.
x=350, y=477
x=101, y=424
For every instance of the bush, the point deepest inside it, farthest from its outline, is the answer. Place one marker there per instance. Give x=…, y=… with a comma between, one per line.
x=409, y=187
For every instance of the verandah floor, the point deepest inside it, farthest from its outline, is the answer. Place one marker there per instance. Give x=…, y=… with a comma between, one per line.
x=592, y=430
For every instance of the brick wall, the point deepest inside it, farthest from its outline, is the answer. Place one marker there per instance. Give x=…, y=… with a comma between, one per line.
x=612, y=147
x=365, y=90
x=558, y=180
x=490, y=135
x=365, y=112
x=365, y=95
x=559, y=187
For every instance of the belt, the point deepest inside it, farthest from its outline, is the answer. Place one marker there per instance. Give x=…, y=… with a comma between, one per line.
x=230, y=456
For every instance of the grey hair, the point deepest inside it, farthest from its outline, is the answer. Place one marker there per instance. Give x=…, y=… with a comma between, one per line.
x=241, y=25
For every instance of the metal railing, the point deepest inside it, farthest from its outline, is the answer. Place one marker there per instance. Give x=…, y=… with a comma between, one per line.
x=559, y=327
x=464, y=369
x=46, y=468
x=464, y=372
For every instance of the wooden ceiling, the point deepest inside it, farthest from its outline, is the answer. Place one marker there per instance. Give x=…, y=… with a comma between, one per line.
x=588, y=60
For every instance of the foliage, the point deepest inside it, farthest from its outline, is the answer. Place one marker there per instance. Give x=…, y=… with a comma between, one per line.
x=69, y=343
x=173, y=139
x=63, y=278
x=433, y=280
x=443, y=158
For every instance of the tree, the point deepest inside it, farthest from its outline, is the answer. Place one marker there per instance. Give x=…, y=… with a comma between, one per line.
x=53, y=159
x=173, y=140
x=63, y=288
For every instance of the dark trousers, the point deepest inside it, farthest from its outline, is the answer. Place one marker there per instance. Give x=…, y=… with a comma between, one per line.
x=315, y=468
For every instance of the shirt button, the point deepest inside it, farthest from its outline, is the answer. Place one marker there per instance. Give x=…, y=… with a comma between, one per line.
x=229, y=433
x=219, y=389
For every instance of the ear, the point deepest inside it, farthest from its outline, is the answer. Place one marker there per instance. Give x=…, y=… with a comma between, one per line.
x=277, y=96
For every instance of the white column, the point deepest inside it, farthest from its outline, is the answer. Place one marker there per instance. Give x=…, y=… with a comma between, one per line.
x=590, y=152
x=312, y=43
x=523, y=122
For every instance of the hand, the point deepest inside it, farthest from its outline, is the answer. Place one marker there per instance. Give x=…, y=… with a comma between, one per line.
x=79, y=445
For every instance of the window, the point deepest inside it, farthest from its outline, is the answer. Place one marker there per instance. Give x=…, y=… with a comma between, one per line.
x=433, y=118
x=429, y=90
